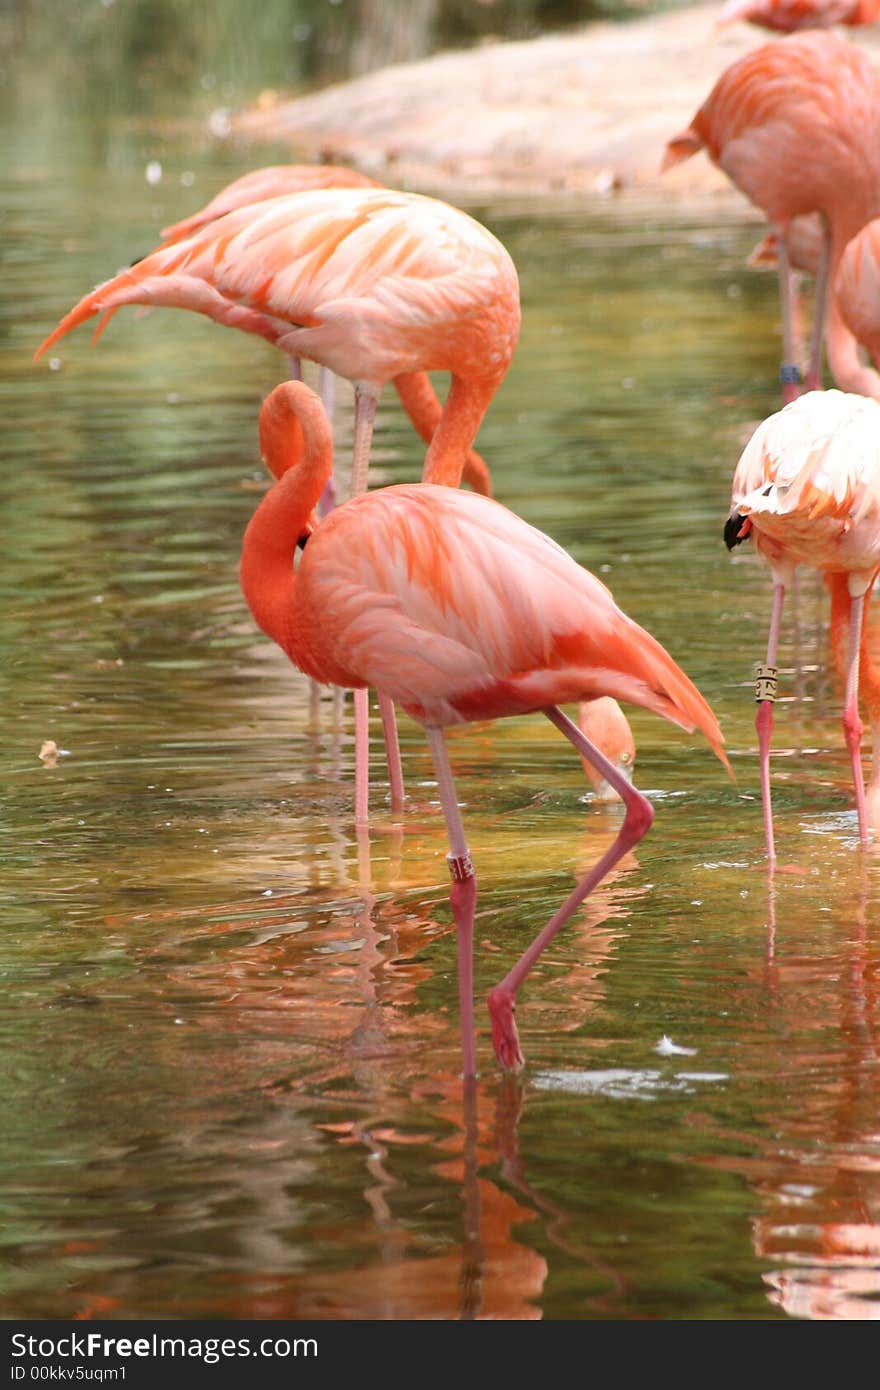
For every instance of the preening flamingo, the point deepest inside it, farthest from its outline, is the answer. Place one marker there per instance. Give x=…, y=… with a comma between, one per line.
x=458, y=611
x=787, y=16
x=795, y=125
x=807, y=491
x=374, y=284
x=273, y=181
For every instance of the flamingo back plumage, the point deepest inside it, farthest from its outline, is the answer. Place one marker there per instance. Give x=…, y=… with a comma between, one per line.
x=795, y=124
x=371, y=283
x=458, y=610
x=272, y=181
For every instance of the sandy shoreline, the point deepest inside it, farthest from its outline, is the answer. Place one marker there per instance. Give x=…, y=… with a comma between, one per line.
x=586, y=112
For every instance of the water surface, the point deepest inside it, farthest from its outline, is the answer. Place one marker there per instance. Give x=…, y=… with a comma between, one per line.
x=230, y=1084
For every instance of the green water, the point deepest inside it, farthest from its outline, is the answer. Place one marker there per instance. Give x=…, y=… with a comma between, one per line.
x=230, y=1044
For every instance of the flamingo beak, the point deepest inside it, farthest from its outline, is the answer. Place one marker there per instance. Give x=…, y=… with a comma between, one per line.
x=736, y=529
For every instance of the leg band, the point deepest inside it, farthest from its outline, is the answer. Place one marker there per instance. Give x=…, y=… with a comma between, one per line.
x=461, y=867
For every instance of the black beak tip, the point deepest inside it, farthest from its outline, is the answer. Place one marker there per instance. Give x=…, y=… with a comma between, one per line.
x=732, y=528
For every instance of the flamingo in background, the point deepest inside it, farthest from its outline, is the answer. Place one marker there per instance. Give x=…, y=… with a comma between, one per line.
x=857, y=299
x=795, y=125
x=374, y=284
x=257, y=186
x=787, y=16
x=807, y=491
x=459, y=611
x=854, y=303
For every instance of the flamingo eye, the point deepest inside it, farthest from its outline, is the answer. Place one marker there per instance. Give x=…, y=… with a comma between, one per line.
x=626, y=758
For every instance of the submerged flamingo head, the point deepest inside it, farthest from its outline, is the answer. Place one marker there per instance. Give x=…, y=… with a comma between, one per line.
x=606, y=725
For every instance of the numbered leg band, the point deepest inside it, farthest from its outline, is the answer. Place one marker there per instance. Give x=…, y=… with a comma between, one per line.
x=461, y=867
x=789, y=374
x=765, y=682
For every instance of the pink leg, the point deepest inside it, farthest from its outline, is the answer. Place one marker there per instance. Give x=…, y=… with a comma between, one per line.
x=765, y=694
x=364, y=416
x=637, y=821
x=820, y=313
x=314, y=687
x=852, y=724
x=361, y=757
x=392, y=752
x=789, y=372
x=365, y=403
x=462, y=895
x=327, y=391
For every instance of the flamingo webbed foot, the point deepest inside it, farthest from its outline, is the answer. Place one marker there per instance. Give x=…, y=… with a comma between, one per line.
x=505, y=1038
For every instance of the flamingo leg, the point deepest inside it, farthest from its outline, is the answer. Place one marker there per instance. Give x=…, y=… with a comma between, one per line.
x=314, y=688
x=789, y=372
x=338, y=706
x=820, y=313
x=327, y=392
x=462, y=895
x=765, y=694
x=852, y=724
x=365, y=402
x=327, y=501
x=361, y=756
x=637, y=821
x=392, y=751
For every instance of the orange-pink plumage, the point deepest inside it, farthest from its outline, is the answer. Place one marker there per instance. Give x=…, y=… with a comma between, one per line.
x=788, y=16
x=374, y=284
x=795, y=125
x=457, y=610
x=272, y=181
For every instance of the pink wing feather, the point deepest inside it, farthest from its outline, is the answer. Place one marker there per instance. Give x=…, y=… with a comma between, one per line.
x=459, y=610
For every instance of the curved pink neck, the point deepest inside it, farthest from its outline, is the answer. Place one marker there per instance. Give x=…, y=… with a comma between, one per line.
x=297, y=447
x=850, y=373
x=456, y=430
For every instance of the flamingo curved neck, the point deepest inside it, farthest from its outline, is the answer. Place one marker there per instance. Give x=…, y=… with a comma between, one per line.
x=297, y=446
x=850, y=373
x=456, y=430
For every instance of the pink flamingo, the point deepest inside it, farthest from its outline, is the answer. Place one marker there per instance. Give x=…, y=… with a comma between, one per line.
x=458, y=611
x=807, y=491
x=856, y=298
x=786, y=16
x=854, y=302
x=795, y=125
x=376, y=285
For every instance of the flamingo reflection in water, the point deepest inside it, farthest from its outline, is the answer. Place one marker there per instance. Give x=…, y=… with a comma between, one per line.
x=350, y=1071
x=816, y=1172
